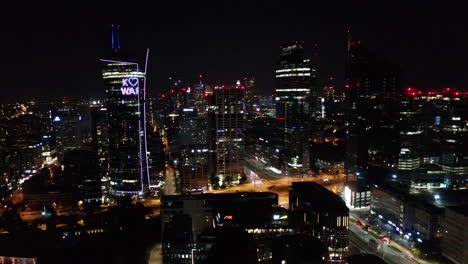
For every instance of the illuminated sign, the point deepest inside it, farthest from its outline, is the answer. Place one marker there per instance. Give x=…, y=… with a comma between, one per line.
x=130, y=86
x=228, y=217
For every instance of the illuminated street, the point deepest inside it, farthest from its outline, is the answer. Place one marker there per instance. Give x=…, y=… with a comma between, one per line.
x=281, y=186
x=396, y=253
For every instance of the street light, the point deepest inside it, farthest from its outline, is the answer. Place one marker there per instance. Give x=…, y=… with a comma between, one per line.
x=193, y=259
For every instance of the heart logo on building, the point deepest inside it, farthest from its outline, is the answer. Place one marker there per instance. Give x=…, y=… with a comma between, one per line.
x=133, y=81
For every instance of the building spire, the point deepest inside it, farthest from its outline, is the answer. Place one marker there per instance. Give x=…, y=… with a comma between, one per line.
x=115, y=34
x=348, y=39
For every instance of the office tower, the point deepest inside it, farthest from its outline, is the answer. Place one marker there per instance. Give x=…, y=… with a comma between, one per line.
x=23, y=159
x=199, y=99
x=194, y=168
x=453, y=140
x=370, y=87
x=126, y=108
x=72, y=128
x=100, y=137
x=228, y=124
x=295, y=77
x=411, y=139
x=193, y=149
x=323, y=214
x=265, y=144
x=81, y=174
x=433, y=145
x=330, y=90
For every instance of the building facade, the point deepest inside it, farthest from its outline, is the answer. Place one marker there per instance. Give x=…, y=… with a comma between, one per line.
x=229, y=128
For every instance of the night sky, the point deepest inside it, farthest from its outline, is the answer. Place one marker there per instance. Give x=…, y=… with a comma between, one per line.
x=53, y=47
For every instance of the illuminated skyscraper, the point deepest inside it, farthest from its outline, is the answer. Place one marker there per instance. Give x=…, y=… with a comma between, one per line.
x=371, y=84
x=125, y=103
x=294, y=78
x=229, y=132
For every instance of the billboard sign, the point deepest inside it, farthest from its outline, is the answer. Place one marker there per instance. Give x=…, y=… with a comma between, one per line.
x=130, y=86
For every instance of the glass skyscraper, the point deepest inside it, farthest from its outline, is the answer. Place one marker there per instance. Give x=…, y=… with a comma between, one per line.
x=294, y=81
x=125, y=102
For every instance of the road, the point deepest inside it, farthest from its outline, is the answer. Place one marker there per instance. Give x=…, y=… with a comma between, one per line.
x=402, y=255
x=280, y=186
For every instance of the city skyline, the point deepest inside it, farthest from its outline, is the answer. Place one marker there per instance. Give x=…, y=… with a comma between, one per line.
x=265, y=132
x=185, y=43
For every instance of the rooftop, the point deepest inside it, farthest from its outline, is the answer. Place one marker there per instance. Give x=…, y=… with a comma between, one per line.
x=461, y=209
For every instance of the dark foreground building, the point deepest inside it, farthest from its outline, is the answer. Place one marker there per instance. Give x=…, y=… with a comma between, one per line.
x=321, y=213
x=194, y=225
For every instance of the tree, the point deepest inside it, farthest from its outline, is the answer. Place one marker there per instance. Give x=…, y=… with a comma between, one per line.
x=243, y=178
x=214, y=180
x=228, y=179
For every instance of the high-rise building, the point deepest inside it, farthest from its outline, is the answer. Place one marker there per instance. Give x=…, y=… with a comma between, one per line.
x=100, y=137
x=228, y=117
x=72, y=128
x=125, y=102
x=81, y=173
x=370, y=86
x=433, y=145
x=295, y=77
